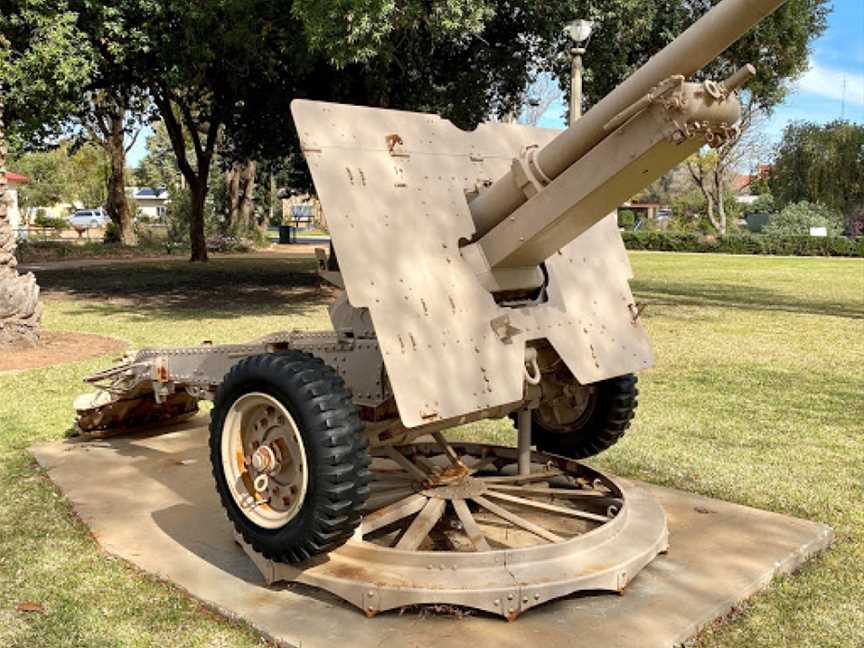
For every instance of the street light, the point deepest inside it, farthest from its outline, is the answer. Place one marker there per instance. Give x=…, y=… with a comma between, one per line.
x=579, y=32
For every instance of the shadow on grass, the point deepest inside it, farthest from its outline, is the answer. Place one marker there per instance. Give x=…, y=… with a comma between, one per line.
x=740, y=296
x=175, y=289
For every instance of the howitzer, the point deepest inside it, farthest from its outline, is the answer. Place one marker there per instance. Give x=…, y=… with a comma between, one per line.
x=482, y=276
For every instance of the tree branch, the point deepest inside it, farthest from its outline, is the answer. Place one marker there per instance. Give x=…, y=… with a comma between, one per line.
x=175, y=134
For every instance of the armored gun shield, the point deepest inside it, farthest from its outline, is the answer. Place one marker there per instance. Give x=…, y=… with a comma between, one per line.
x=394, y=188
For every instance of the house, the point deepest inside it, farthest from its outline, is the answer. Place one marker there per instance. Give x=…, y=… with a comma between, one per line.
x=149, y=202
x=13, y=214
x=645, y=211
x=740, y=184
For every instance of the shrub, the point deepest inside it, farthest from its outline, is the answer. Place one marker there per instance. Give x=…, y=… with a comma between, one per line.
x=626, y=218
x=797, y=219
x=745, y=243
x=855, y=223
x=112, y=233
x=44, y=220
x=764, y=204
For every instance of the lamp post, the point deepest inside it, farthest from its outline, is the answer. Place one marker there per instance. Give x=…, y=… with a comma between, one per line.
x=579, y=32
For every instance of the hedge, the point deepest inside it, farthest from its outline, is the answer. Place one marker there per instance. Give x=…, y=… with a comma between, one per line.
x=745, y=244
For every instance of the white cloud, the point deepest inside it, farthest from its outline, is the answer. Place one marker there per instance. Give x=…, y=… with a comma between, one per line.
x=828, y=82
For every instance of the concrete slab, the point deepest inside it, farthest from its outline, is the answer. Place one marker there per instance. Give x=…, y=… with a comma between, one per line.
x=150, y=500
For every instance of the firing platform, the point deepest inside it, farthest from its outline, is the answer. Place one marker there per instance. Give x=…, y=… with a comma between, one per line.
x=150, y=500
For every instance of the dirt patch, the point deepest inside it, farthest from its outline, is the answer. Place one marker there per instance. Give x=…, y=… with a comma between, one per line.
x=58, y=347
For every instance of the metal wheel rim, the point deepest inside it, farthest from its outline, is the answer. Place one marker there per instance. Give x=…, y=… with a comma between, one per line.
x=580, y=420
x=256, y=421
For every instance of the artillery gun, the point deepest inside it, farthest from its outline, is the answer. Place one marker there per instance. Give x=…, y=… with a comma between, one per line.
x=482, y=276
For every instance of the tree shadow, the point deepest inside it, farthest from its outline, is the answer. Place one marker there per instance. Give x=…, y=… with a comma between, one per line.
x=177, y=290
x=740, y=296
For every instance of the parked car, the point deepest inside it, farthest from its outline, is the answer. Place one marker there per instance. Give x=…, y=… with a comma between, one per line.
x=88, y=219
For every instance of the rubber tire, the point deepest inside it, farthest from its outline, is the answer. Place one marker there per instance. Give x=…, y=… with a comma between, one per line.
x=337, y=453
x=613, y=411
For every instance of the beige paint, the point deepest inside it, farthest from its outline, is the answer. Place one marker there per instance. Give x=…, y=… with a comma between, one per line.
x=397, y=218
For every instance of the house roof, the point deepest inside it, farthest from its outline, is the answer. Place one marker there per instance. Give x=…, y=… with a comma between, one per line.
x=150, y=192
x=14, y=177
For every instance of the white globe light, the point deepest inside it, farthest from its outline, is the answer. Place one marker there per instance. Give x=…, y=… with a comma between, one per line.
x=579, y=30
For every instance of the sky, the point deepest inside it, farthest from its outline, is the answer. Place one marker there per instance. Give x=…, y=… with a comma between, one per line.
x=817, y=96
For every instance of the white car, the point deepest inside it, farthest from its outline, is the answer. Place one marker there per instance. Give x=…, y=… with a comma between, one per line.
x=88, y=219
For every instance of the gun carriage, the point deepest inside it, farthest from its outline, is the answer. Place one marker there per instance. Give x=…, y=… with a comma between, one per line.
x=482, y=276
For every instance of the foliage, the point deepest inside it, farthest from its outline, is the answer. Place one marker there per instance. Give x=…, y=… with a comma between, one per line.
x=158, y=168
x=225, y=71
x=764, y=204
x=688, y=213
x=112, y=234
x=224, y=243
x=796, y=220
x=62, y=175
x=50, y=222
x=180, y=213
x=855, y=223
x=626, y=218
x=760, y=186
x=745, y=243
x=821, y=164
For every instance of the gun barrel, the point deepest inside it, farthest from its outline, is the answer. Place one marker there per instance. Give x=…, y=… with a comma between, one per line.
x=700, y=44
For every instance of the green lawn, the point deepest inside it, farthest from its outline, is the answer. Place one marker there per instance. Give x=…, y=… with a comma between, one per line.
x=757, y=397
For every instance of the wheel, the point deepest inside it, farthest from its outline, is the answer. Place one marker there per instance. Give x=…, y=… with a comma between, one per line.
x=585, y=420
x=289, y=456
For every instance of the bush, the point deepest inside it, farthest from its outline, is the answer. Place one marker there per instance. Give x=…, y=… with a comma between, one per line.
x=855, y=223
x=226, y=243
x=745, y=243
x=44, y=220
x=112, y=233
x=797, y=219
x=764, y=204
x=626, y=218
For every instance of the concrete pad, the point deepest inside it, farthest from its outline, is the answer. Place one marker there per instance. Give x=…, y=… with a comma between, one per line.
x=151, y=501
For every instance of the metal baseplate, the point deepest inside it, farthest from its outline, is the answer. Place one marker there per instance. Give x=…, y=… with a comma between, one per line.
x=489, y=539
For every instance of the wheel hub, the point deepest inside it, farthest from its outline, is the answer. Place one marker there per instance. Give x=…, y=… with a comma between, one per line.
x=467, y=487
x=264, y=460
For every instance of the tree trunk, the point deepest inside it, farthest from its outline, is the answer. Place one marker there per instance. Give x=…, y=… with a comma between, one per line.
x=232, y=183
x=117, y=204
x=20, y=310
x=198, y=194
x=721, y=207
x=247, y=197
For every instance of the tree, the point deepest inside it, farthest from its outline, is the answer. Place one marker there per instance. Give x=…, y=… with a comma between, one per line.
x=822, y=164
x=711, y=169
x=66, y=79
x=221, y=73
x=20, y=310
x=778, y=46
x=62, y=175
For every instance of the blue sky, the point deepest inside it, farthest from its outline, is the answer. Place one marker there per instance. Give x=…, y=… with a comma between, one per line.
x=818, y=96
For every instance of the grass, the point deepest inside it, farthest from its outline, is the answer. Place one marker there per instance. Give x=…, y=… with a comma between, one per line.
x=756, y=398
